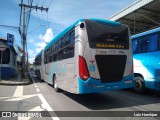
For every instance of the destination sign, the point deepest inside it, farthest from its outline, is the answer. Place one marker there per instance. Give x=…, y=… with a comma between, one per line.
x=115, y=46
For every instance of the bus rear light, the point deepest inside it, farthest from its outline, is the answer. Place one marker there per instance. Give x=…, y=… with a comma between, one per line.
x=83, y=70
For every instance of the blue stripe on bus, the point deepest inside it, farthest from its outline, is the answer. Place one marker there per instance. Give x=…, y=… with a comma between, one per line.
x=108, y=22
x=93, y=85
x=146, y=33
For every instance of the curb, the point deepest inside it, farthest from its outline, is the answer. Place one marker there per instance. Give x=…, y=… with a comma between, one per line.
x=12, y=83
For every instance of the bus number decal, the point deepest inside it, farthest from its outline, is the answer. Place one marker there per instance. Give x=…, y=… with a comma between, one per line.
x=92, y=68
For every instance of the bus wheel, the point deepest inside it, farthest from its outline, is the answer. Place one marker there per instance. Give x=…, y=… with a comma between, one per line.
x=55, y=85
x=139, y=85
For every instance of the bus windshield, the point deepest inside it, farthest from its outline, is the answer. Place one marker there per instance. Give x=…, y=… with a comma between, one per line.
x=101, y=35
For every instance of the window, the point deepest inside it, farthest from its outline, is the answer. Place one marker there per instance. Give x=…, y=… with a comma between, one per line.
x=47, y=56
x=72, y=37
x=6, y=56
x=55, y=57
x=69, y=45
x=61, y=49
x=153, y=41
x=50, y=58
x=59, y=44
x=56, y=46
x=67, y=41
x=144, y=44
x=63, y=42
x=53, y=48
x=101, y=33
x=135, y=46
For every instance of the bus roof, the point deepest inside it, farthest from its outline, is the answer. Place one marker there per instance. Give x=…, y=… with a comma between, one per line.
x=39, y=54
x=74, y=24
x=146, y=33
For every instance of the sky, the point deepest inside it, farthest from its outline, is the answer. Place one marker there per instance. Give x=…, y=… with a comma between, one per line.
x=44, y=26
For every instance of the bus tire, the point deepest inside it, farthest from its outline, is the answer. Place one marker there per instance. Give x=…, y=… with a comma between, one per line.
x=55, y=85
x=139, y=85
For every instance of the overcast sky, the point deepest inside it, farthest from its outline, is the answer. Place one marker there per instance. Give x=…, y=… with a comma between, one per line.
x=44, y=26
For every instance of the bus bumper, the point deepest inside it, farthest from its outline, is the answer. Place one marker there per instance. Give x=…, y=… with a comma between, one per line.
x=92, y=85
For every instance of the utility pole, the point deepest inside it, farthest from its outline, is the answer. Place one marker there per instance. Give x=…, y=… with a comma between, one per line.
x=23, y=41
x=23, y=33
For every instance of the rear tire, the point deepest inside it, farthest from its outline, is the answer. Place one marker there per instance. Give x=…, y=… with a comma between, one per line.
x=55, y=85
x=139, y=85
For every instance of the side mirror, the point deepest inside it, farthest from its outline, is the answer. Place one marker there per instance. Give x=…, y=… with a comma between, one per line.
x=82, y=25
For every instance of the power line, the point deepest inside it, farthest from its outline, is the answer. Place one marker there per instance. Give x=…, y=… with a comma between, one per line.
x=44, y=3
x=50, y=3
x=9, y=26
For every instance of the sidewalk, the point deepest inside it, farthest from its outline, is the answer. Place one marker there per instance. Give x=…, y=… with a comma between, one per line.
x=17, y=80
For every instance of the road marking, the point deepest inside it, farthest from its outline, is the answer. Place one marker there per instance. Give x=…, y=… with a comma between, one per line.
x=18, y=92
x=47, y=106
x=45, y=103
x=4, y=97
x=21, y=97
x=37, y=90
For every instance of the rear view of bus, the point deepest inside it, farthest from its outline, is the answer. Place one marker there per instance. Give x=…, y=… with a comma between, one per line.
x=105, y=56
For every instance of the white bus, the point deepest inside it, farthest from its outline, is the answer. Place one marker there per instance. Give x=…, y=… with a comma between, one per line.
x=92, y=55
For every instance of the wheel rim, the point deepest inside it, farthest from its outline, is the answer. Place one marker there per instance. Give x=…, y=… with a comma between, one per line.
x=138, y=84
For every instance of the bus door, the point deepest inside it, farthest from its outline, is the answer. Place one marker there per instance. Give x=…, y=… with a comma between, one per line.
x=46, y=68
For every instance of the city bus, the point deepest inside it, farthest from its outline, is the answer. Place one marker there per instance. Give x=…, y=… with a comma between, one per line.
x=91, y=55
x=146, y=60
x=37, y=64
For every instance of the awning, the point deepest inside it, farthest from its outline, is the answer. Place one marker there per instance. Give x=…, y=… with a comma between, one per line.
x=140, y=16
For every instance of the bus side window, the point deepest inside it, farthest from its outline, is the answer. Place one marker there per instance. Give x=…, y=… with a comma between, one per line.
x=56, y=46
x=48, y=55
x=153, y=40
x=63, y=42
x=143, y=46
x=135, y=46
x=67, y=42
x=50, y=58
x=72, y=37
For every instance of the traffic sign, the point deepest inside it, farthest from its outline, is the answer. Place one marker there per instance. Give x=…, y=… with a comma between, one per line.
x=2, y=47
x=10, y=38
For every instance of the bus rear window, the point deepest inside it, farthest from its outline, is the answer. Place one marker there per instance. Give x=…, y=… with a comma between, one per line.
x=102, y=35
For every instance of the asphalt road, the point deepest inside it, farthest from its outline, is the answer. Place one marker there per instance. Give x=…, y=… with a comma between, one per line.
x=41, y=96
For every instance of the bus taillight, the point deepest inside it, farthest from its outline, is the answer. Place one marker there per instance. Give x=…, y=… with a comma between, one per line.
x=83, y=70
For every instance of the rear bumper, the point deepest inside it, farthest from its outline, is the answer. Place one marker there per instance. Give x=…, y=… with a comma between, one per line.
x=92, y=85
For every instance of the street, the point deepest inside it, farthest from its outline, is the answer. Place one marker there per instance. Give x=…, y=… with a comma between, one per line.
x=41, y=96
